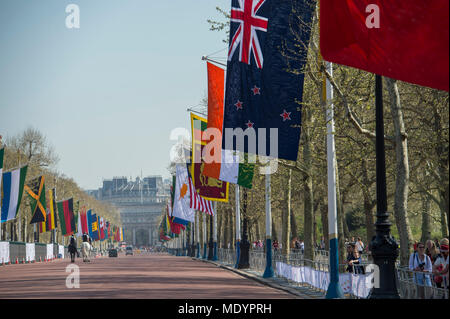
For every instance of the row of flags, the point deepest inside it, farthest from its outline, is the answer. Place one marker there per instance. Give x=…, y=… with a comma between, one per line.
x=263, y=90
x=262, y=87
x=46, y=211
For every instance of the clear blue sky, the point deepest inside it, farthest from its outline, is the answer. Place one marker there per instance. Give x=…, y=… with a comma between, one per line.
x=106, y=95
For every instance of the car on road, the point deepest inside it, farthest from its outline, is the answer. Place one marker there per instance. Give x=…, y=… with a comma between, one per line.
x=129, y=251
x=112, y=252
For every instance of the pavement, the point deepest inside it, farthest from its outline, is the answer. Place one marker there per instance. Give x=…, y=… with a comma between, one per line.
x=282, y=284
x=141, y=276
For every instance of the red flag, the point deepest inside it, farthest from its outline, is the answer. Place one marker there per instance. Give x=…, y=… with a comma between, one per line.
x=174, y=227
x=102, y=228
x=216, y=85
x=404, y=40
x=84, y=225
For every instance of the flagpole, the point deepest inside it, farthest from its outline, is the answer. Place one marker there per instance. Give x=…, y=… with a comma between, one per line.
x=183, y=241
x=55, y=234
x=215, y=232
x=19, y=231
x=17, y=217
x=197, y=226
x=205, y=58
x=211, y=242
x=204, y=236
x=179, y=244
x=238, y=227
x=334, y=288
x=193, y=239
x=268, y=272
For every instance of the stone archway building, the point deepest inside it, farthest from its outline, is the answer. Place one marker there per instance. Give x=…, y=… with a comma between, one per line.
x=140, y=203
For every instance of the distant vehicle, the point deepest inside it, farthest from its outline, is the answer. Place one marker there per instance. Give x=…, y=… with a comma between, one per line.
x=129, y=251
x=112, y=252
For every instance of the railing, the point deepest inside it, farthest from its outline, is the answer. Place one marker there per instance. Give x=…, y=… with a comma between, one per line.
x=226, y=256
x=354, y=276
x=21, y=252
x=420, y=285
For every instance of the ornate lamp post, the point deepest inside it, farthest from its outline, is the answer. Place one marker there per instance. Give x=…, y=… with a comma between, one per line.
x=244, y=244
x=238, y=227
x=383, y=247
x=268, y=272
x=188, y=242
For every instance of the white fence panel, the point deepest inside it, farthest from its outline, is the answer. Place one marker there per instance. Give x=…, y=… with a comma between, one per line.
x=50, y=251
x=30, y=252
x=4, y=252
x=61, y=250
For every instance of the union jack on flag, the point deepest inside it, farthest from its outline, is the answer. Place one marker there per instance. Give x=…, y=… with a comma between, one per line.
x=264, y=84
x=245, y=35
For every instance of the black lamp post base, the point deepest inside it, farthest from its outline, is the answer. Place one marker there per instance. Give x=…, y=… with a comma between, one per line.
x=375, y=294
x=384, y=251
x=188, y=248
x=244, y=255
x=210, y=251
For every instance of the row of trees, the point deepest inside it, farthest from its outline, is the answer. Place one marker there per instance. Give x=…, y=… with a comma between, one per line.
x=417, y=162
x=32, y=148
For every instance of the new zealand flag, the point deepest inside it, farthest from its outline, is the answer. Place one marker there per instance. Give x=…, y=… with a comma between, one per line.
x=264, y=84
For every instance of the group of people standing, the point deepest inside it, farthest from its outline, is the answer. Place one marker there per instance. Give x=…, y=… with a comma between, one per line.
x=430, y=263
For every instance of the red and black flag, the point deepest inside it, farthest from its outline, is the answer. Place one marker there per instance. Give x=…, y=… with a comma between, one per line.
x=36, y=190
x=66, y=217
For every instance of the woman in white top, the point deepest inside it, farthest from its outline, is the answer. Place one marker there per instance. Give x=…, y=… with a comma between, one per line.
x=421, y=264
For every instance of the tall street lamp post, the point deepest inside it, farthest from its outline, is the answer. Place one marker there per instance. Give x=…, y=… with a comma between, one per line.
x=383, y=247
x=244, y=244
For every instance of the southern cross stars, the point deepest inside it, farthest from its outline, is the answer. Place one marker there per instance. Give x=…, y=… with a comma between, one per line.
x=238, y=105
x=286, y=115
x=249, y=124
x=255, y=90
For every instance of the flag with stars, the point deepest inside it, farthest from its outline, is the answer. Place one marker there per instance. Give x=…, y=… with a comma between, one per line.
x=264, y=82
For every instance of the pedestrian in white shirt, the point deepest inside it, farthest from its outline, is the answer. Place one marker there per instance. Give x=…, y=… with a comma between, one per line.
x=359, y=246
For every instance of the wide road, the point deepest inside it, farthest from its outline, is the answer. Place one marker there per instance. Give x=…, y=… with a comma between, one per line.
x=145, y=275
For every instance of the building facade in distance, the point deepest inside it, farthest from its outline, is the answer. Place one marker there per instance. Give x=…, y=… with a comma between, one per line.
x=140, y=203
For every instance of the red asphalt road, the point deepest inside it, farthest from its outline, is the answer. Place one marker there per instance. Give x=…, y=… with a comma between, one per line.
x=141, y=276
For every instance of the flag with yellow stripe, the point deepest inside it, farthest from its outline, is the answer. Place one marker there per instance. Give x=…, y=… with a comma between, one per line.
x=36, y=192
x=50, y=222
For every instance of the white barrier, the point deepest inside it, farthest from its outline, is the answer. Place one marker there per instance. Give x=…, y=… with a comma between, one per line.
x=355, y=284
x=50, y=255
x=61, y=250
x=4, y=252
x=30, y=252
